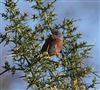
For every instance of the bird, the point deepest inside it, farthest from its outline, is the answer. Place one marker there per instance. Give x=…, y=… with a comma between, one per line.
x=54, y=43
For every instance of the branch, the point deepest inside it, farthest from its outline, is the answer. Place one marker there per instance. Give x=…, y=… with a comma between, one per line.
x=9, y=70
x=96, y=74
x=4, y=71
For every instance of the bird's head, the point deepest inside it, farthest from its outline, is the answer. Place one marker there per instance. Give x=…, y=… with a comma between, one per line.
x=57, y=34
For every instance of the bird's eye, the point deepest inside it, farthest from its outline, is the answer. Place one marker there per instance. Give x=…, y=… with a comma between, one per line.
x=56, y=33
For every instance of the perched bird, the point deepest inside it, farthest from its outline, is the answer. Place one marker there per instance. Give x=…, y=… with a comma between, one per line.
x=54, y=43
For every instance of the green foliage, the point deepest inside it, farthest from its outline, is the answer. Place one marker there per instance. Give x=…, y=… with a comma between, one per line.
x=41, y=70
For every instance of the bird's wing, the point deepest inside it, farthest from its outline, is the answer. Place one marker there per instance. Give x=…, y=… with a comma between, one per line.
x=46, y=45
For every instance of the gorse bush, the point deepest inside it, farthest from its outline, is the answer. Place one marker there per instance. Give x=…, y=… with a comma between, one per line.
x=42, y=71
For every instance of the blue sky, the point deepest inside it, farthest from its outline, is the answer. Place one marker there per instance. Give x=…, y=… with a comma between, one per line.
x=88, y=11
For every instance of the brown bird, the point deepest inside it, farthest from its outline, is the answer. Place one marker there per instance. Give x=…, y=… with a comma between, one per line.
x=54, y=43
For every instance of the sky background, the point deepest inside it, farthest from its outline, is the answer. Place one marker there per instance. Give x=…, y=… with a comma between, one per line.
x=88, y=11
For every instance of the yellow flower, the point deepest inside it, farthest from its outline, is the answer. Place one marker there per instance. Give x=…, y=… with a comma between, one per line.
x=75, y=82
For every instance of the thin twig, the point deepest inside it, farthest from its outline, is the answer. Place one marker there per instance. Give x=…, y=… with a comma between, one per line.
x=96, y=74
x=4, y=71
x=10, y=69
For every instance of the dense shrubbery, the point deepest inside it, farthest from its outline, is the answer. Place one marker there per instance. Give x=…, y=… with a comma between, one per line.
x=41, y=70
